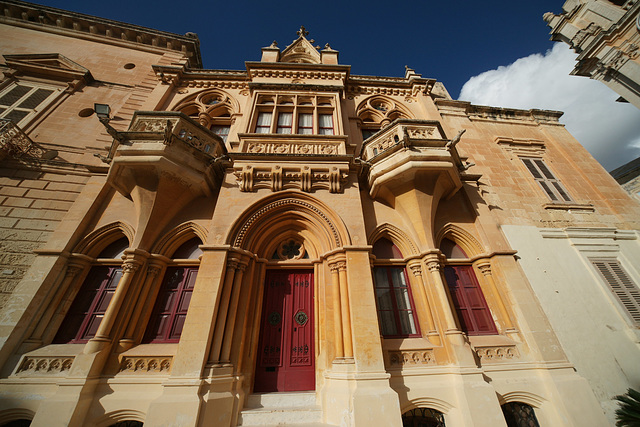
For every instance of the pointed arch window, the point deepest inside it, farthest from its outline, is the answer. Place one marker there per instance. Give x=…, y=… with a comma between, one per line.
x=518, y=414
x=396, y=312
x=172, y=303
x=90, y=304
x=468, y=300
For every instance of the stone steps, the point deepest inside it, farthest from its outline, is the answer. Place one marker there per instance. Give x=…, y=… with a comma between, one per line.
x=297, y=409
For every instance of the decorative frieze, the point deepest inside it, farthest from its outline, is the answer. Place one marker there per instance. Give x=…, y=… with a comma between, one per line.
x=305, y=178
x=412, y=358
x=148, y=364
x=497, y=353
x=323, y=148
x=38, y=366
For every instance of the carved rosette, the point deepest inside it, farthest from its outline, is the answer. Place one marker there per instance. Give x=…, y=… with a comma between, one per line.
x=146, y=365
x=44, y=366
x=497, y=354
x=411, y=358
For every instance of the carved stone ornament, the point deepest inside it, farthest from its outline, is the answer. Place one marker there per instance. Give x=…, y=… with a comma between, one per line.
x=497, y=354
x=412, y=358
x=304, y=178
x=146, y=365
x=44, y=366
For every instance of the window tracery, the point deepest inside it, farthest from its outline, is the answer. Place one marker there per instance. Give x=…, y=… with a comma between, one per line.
x=378, y=111
x=213, y=109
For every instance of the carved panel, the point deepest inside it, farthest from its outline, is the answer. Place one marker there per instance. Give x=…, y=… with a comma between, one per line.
x=38, y=366
x=497, y=353
x=143, y=365
x=251, y=178
x=292, y=148
x=412, y=358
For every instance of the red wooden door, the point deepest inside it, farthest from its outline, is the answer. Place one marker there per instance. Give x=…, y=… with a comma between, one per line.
x=285, y=360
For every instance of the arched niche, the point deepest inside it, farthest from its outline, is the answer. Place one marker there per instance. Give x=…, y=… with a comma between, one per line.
x=172, y=240
x=288, y=214
x=98, y=240
x=469, y=244
x=396, y=236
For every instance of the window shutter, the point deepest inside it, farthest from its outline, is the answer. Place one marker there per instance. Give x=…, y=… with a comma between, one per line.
x=621, y=285
x=545, y=178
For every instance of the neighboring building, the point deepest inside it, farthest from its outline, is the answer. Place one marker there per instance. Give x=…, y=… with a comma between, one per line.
x=606, y=36
x=628, y=176
x=225, y=237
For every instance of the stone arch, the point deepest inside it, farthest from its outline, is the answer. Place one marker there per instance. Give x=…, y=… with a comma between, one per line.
x=15, y=414
x=460, y=236
x=529, y=398
x=174, y=238
x=396, y=236
x=382, y=110
x=207, y=105
x=120, y=415
x=280, y=213
x=427, y=402
x=99, y=239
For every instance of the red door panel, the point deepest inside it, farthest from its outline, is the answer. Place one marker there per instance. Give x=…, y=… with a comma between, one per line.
x=285, y=360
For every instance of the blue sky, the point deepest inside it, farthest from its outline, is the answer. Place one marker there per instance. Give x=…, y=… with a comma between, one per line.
x=499, y=48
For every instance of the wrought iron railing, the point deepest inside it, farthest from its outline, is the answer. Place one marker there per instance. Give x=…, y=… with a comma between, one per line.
x=14, y=143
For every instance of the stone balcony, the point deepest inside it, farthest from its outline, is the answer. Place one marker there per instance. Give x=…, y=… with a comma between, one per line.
x=163, y=162
x=406, y=149
x=411, y=165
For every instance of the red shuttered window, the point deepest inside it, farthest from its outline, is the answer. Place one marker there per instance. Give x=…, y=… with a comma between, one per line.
x=86, y=312
x=170, y=311
x=468, y=300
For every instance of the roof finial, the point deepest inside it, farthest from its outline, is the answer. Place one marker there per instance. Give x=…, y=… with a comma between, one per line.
x=302, y=32
x=274, y=44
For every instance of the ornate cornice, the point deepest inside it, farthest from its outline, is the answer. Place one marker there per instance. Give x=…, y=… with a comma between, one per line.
x=49, y=19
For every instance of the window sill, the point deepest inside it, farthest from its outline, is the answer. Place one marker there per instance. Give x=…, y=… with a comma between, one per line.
x=585, y=207
x=410, y=343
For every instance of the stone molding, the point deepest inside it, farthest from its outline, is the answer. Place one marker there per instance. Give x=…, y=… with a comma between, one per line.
x=495, y=354
x=412, y=358
x=44, y=366
x=146, y=364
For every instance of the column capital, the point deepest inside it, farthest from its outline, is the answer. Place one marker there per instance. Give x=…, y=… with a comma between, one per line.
x=338, y=266
x=484, y=266
x=130, y=266
x=153, y=270
x=416, y=268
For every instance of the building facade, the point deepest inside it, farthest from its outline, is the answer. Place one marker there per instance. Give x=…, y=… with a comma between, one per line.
x=606, y=36
x=294, y=244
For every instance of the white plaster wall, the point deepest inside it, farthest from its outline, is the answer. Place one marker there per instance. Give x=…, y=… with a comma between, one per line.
x=595, y=332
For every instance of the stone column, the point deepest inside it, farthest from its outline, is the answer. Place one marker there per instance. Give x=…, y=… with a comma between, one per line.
x=432, y=332
x=231, y=315
x=218, y=334
x=337, y=310
x=345, y=310
x=70, y=275
x=432, y=262
x=484, y=266
x=129, y=337
x=97, y=343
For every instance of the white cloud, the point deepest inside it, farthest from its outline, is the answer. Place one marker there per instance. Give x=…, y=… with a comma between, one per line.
x=609, y=130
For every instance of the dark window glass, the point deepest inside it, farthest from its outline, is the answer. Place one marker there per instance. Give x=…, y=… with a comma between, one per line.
x=396, y=314
x=423, y=417
x=518, y=414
